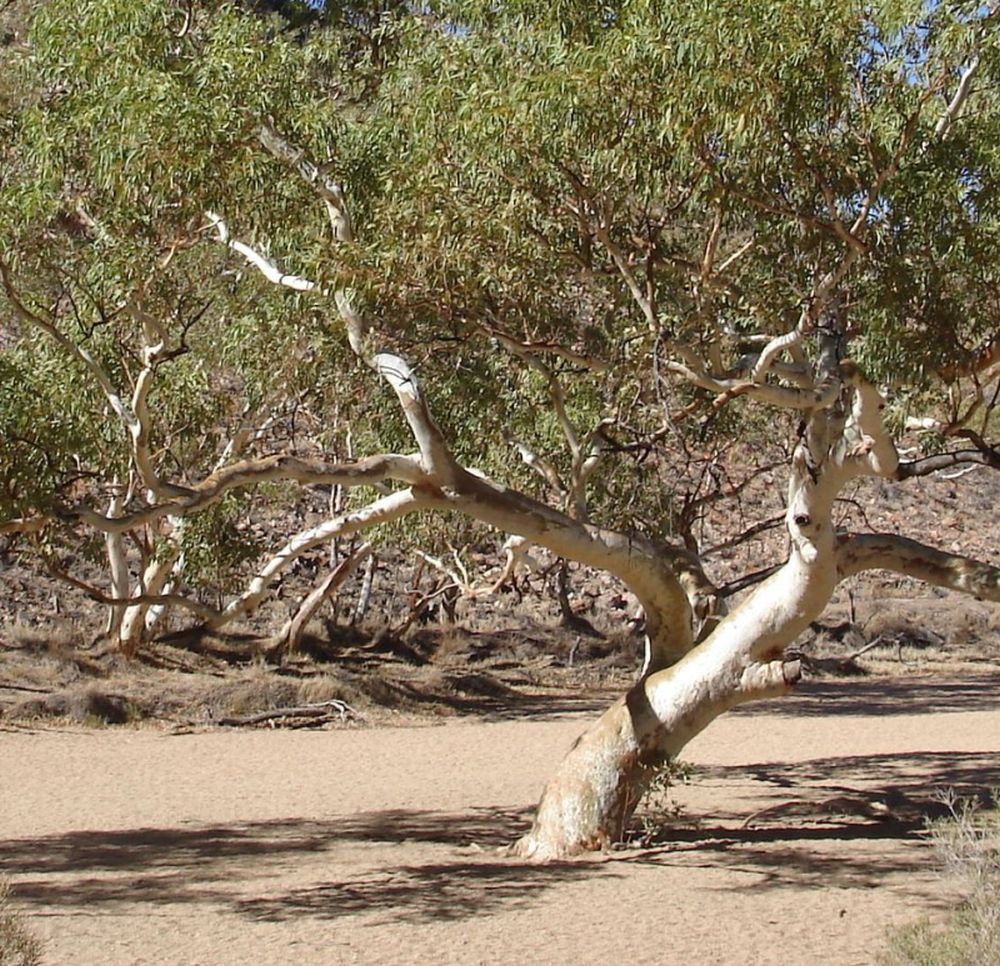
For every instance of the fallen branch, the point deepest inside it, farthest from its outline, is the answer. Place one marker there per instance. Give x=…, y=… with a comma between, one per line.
x=847, y=805
x=322, y=711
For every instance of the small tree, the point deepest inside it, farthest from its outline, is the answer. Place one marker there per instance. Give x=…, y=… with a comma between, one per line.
x=649, y=234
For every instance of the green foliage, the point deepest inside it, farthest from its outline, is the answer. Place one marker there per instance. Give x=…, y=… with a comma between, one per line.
x=217, y=544
x=658, y=808
x=475, y=140
x=53, y=429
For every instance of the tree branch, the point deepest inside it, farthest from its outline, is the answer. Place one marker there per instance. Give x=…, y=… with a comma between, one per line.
x=265, y=266
x=664, y=579
x=384, y=510
x=955, y=105
x=941, y=461
x=291, y=633
x=204, y=611
x=883, y=551
x=373, y=469
x=134, y=418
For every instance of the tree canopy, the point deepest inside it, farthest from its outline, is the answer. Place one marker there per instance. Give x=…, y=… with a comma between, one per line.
x=508, y=167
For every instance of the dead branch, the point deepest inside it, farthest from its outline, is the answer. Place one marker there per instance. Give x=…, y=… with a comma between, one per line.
x=289, y=636
x=931, y=464
x=320, y=713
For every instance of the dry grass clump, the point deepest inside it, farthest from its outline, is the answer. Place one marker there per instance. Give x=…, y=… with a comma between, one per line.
x=87, y=704
x=968, y=843
x=18, y=946
x=326, y=687
x=255, y=690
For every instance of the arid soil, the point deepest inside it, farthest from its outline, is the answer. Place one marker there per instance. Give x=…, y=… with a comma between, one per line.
x=798, y=839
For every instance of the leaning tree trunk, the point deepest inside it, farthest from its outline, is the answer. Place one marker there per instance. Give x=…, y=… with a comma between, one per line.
x=600, y=782
x=590, y=801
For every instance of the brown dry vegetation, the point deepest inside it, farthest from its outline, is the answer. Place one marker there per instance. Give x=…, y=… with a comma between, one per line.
x=507, y=650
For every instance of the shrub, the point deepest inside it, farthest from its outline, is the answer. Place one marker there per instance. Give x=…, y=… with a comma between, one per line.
x=18, y=947
x=968, y=844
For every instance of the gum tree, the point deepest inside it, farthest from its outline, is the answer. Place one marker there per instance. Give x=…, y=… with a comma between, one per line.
x=587, y=235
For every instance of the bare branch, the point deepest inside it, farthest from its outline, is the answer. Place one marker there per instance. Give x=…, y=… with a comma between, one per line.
x=519, y=347
x=762, y=526
x=204, y=611
x=943, y=127
x=373, y=469
x=265, y=266
x=942, y=461
x=384, y=510
x=780, y=396
x=316, y=714
x=747, y=580
x=731, y=259
x=292, y=631
x=331, y=192
x=872, y=451
x=434, y=452
x=883, y=551
x=153, y=353
x=621, y=263
x=655, y=573
x=392, y=367
x=541, y=466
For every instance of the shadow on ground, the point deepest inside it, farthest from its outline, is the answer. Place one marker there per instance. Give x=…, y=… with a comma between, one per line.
x=82, y=872
x=883, y=696
x=419, y=893
x=143, y=849
x=834, y=822
x=812, y=811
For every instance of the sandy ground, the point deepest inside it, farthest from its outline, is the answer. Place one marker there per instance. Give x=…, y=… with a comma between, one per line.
x=379, y=845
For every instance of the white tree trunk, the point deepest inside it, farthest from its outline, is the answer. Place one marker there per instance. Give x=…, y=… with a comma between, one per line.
x=140, y=618
x=591, y=799
x=117, y=564
x=289, y=636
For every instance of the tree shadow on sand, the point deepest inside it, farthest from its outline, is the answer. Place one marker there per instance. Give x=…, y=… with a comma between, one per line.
x=419, y=893
x=140, y=849
x=84, y=872
x=813, y=811
x=893, y=696
x=831, y=822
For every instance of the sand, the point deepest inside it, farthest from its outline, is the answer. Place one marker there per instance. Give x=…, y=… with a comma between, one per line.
x=379, y=845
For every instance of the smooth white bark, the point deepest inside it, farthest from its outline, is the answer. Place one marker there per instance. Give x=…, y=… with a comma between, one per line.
x=886, y=551
x=114, y=545
x=291, y=633
x=385, y=510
